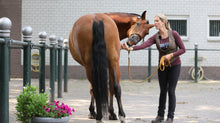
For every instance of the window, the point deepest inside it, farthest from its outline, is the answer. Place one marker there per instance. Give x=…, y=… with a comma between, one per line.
x=179, y=24
x=214, y=28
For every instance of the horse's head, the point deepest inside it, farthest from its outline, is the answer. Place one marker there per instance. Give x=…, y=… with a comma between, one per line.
x=138, y=30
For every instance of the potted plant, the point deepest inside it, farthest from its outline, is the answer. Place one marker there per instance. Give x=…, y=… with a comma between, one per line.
x=33, y=107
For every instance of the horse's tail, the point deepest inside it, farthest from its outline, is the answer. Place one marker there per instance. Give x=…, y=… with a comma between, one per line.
x=99, y=67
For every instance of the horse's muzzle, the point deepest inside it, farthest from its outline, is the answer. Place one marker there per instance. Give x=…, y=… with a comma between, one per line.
x=133, y=40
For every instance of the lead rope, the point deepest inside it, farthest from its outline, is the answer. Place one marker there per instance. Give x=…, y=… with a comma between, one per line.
x=161, y=66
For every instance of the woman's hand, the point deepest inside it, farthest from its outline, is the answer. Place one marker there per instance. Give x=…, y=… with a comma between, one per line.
x=125, y=46
x=168, y=57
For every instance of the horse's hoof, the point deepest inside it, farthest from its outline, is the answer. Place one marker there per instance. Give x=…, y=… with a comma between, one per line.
x=122, y=119
x=92, y=116
x=98, y=121
x=113, y=117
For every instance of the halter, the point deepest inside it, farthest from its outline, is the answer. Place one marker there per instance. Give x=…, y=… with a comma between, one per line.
x=135, y=41
x=139, y=36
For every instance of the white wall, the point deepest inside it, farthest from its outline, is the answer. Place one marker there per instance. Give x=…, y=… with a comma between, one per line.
x=58, y=16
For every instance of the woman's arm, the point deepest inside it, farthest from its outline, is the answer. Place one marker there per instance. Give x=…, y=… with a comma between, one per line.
x=179, y=43
x=146, y=44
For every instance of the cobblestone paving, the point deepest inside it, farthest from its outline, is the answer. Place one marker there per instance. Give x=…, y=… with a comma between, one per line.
x=196, y=102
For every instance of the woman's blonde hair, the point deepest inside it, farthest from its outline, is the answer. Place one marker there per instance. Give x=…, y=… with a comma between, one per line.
x=164, y=18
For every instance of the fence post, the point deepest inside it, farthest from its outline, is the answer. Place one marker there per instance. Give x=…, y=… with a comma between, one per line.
x=149, y=63
x=53, y=43
x=60, y=43
x=5, y=26
x=196, y=62
x=56, y=64
x=42, y=36
x=65, y=43
x=27, y=35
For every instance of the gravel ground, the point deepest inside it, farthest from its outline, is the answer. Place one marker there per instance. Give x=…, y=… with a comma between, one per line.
x=196, y=102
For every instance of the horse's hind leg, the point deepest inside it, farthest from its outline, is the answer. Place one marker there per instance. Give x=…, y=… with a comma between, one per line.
x=92, y=114
x=112, y=115
x=115, y=88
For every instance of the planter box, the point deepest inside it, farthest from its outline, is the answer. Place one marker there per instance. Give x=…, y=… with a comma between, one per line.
x=50, y=120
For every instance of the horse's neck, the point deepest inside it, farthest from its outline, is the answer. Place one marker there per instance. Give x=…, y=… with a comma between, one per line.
x=123, y=29
x=123, y=23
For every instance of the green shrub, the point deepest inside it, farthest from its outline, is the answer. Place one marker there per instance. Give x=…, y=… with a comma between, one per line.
x=30, y=103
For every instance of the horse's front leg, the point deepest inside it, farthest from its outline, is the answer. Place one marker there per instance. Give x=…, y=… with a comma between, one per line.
x=92, y=114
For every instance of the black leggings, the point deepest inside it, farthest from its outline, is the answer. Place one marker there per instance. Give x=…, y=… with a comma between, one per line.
x=168, y=81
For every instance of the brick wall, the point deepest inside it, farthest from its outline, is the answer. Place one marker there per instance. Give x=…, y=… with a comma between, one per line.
x=12, y=10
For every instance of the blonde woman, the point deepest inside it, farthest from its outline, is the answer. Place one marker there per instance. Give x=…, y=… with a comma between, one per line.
x=170, y=45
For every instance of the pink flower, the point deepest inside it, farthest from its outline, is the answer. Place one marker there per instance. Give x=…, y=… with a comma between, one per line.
x=63, y=107
x=56, y=103
x=68, y=110
x=47, y=109
x=62, y=111
x=58, y=107
x=66, y=107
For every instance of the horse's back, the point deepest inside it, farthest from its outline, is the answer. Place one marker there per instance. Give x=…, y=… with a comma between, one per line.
x=80, y=39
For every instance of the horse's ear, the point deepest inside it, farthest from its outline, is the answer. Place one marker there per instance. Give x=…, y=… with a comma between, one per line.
x=143, y=15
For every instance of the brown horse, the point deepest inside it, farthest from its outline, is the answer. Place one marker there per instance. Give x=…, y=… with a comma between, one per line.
x=95, y=44
x=131, y=25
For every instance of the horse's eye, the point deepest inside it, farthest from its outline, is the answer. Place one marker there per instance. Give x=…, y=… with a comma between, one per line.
x=138, y=24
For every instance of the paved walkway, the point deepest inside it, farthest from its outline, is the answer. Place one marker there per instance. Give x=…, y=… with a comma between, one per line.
x=196, y=102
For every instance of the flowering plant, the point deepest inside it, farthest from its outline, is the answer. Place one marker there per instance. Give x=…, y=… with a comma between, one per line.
x=32, y=104
x=57, y=110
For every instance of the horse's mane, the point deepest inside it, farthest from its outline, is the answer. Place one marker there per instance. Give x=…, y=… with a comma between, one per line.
x=122, y=13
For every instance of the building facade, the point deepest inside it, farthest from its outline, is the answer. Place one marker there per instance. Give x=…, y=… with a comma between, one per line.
x=197, y=21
